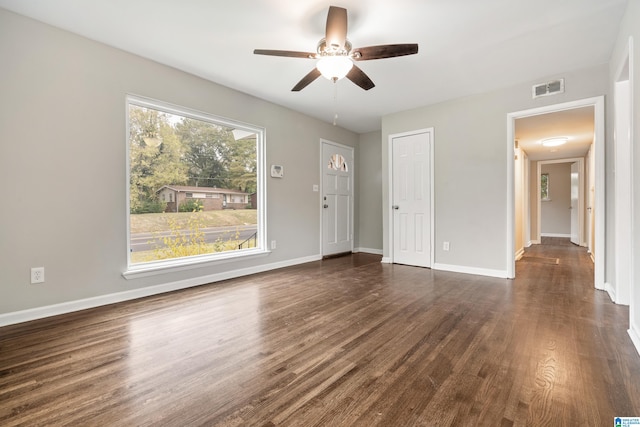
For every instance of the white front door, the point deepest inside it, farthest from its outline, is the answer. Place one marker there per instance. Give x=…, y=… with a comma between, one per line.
x=575, y=210
x=411, y=199
x=337, y=198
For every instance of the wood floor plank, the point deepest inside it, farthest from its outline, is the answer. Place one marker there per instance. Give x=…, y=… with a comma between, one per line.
x=342, y=341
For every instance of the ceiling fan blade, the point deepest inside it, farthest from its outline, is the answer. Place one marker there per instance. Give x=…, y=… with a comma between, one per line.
x=358, y=76
x=384, y=51
x=306, y=80
x=287, y=53
x=336, y=30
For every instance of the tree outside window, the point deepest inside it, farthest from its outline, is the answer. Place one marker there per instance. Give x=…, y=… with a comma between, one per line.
x=175, y=153
x=544, y=186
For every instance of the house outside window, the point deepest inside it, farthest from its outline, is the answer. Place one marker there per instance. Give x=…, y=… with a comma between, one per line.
x=196, y=157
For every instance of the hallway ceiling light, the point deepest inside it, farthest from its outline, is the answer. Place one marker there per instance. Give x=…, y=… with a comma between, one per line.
x=555, y=141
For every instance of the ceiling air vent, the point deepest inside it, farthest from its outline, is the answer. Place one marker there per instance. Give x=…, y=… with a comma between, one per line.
x=549, y=88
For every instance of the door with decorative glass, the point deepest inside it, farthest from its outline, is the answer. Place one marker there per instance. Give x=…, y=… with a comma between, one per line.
x=337, y=198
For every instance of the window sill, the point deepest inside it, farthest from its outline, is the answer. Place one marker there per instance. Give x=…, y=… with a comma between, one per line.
x=545, y=200
x=171, y=266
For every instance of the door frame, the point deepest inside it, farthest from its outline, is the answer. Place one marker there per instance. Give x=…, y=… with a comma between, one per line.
x=599, y=152
x=431, y=191
x=619, y=292
x=581, y=199
x=351, y=207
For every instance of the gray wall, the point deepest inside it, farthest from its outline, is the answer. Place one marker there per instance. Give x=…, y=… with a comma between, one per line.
x=629, y=28
x=555, y=215
x=471, y=164
x=63, y=154
x=369, y=196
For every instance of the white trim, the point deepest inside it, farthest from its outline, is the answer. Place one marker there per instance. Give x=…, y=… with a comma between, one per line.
x=429, y=131
x=511, y=196
x=599, y=143
x=369, y=251
x=623, y=148
x=611, y=290
x=502, y=274
x=83, y=304
x=635, y=337
x=386, y=260
x=581, y=197
x=519, y=254
x=189, y=263
x=352, y=171
x=178, y=264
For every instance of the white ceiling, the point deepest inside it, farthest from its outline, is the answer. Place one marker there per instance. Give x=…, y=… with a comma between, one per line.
x=466, y=46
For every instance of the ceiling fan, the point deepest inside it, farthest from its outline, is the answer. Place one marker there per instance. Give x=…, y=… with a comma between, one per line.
x=335, y=54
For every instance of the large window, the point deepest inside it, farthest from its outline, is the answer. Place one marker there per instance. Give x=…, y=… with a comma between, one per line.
x=195, y=187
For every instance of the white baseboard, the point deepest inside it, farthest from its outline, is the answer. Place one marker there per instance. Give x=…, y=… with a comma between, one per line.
x=555, y=235
x=369, y=251
x=610, y=290
x=386, y=260
x=634, y=333
x=83, y=304
x=502, y=274
x=519, y=254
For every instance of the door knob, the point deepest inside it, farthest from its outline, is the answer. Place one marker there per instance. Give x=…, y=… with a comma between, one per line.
x=325, y=206
x=396, y=207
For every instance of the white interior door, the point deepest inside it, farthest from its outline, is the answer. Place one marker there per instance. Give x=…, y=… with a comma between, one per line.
x=337, y=198
x=411, y=199
x=575, y=195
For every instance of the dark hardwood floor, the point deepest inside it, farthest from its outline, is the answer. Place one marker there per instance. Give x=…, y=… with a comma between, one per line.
x=343, y=341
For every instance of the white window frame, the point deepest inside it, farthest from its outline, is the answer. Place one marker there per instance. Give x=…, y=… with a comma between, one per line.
x=139, y=270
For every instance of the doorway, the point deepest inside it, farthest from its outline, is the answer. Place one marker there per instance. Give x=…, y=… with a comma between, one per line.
x=621, y=288
x=561, y=212
x=597, y=105
x=337, y=198
x=411, y=178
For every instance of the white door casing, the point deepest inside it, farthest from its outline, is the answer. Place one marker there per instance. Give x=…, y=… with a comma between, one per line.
x=575, y=196
x=623, y=225
x=599, y=182
x=578, y=225
x=412, y=198
x=337, y=198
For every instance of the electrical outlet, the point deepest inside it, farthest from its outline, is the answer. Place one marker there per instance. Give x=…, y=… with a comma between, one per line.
x=273, y=244
x=445, y=246
x=37, y=275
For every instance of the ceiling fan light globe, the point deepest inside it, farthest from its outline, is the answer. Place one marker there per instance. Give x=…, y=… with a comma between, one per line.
x=334, y=67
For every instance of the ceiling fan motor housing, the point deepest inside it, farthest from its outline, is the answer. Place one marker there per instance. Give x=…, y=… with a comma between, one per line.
x=333, y=50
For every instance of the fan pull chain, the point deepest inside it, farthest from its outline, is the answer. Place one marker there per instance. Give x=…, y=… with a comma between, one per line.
x=335, y=102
